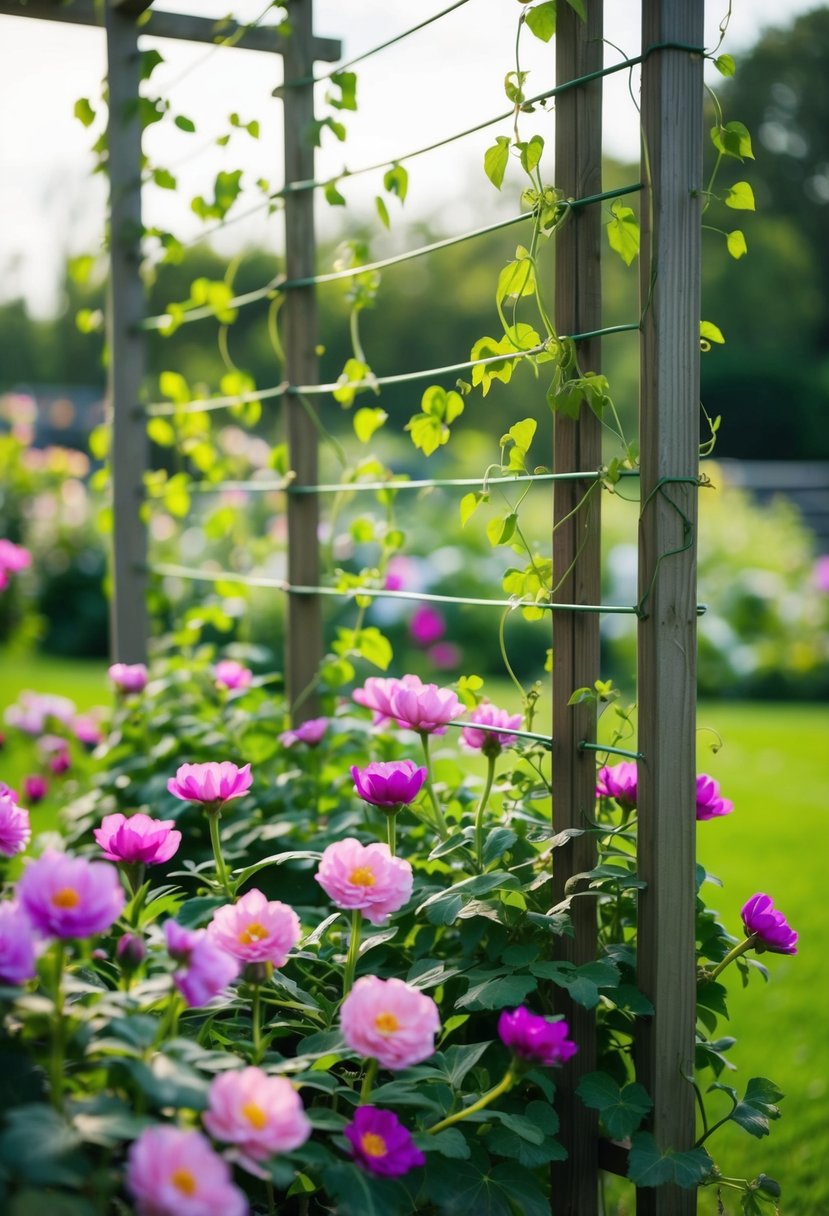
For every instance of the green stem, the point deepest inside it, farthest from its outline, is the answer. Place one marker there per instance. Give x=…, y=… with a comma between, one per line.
x=368, y=1081
x=391, y=831
x=353, y=950
x=256, y=1017
x=504, y=1086
x=168, y=1023
x=56, y=1063
x=440, y=821
x=213, y=818
x=479, y=814
x=737, y=950
x=271, y=1197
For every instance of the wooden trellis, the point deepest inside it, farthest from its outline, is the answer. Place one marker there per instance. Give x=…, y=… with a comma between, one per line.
x=669, y=301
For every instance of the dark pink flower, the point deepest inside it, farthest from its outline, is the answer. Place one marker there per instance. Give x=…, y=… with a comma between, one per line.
x=619, y=782
x=17, y=945
x=490, y=741
x=377, y=692
x=310, y=732
x=54, y=750
x=256, y=930
x=35, y=788
x=426, y=709
x=367, y=877
x=767, y=926
x=174, y=1172
x=381, y=1144
x=389, y=784
x=710, y=803
x=129, y=677
x=427, y=625
x=534, y=1039
x=67, y=896
x=210, y=783
x=389, y=1021
x=6, y=791
x=15, y=829
x=232, y=675
x=206, y=969
x=261, y=1114
x=137, y=840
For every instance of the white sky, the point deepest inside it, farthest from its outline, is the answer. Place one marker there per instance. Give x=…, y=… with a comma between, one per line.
x=441, y=80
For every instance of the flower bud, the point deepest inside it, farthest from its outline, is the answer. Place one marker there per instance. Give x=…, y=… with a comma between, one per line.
x=130, y=951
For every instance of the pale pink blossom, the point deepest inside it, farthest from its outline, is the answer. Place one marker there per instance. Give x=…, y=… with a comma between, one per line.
x=33, y=711
x=255, y=929
x=389, y=1021
x=310, y=732
x=377, y=692
x=477, y=737
x=212, y=782
x=129, y=677
x=175, y=1172
x=366, y=877
x=261, y=1114
x=232, y=675
x=426, y=709
x=205, y=968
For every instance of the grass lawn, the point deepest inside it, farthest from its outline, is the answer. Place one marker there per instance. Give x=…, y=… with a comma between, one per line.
x=773, y=765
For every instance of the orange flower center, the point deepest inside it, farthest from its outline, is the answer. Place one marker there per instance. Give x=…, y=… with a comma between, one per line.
x=66, y=897
x=254, y=932
x=183, y=1181
x=386, y=1023
x=255, y=1116
x=373, y=1145
x=362, y=877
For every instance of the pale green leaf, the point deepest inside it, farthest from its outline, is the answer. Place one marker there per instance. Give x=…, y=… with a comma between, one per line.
x=735, y=243
x=496, y=159
x=541, y=19
x=740, y=197
x=711, y=332
x=368, y=420
x=725, y=65
x=623, y=232
x=382, y=211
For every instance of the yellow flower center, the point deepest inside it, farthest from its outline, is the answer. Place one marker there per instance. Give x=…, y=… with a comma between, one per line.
x=362, y=877
x=66, y=897
x=183, y=1181
x=386, y=1023
x=254, y=932
x=373, y=1145
x=255, y=1116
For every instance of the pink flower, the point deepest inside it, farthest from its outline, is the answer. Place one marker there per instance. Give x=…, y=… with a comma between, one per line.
x=35, y=788
x=129, y=677
x=426, y=709
x=66, y=896
x=139, y=840
x=710, y=803
x=821, y=572
x=33, y=711
x=427, y=625
x=15, y=829
x=392, y=784
x=377, y=692
x=618, y=782
x=206, y=969
x=309, y=732
x=232, y=674
x=389, y=1021
x=87, y=730
x=445, y=656
x=366, y=877
x=261, y=1114
x=534, y=1039
x=256, y=930
x=130, y=951
x=17, y=945
x=399, y=573
x=768, y=926
x=381, y=1144
x=210, y=783
x=490, y=741
x=173, y=1172
x=54, y=750
x=13, y=558
x=6, y=791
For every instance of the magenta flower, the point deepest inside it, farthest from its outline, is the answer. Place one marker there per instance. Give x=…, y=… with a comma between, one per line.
x=261, y=1114
x=381, y=1144
x=6, y=791
x=427, y=625
x=206, y=969
x=619, y=782
x=767, y=926
x=66, y=896
x=534, y=1039
x=710, y=803
x=256, y=930
x=392, y=784
x=129, y=677
x=173, y=1172
x=445, y=656
x=366, y=877
x=35, y=788
x=139, y=840
x=389, y=1021
x=13, y=559
x=426, y=709
x=210, y=783
x=310, y=732
x=821, y=572
x=15, y=829
x=377, y=692
x=17, y=945
x=490, y=741
x=232, y=675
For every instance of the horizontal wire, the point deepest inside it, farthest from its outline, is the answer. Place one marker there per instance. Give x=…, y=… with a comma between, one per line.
x=280, y=283
x=161, y=409
x=584, y=746
x=545, y=740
